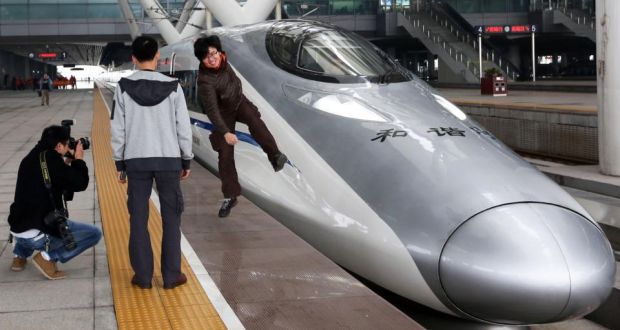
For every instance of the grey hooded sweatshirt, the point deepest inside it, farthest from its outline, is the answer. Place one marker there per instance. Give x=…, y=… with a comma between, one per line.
x=150, y=126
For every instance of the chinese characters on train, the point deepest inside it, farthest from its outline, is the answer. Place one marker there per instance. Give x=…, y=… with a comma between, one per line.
x=384, y=134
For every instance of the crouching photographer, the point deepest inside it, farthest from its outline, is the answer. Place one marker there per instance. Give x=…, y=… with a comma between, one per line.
x=38, y=217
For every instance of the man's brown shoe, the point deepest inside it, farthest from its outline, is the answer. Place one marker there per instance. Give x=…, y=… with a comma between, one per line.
x=18, y=264
x=182, y=279
x=47, y=268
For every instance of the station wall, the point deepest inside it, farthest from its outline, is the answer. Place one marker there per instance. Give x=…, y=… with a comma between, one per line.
x=19, y=67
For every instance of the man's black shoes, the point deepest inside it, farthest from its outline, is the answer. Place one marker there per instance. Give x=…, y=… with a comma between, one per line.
x=134, y=281
x=182, y=279
x=228, y=204
x=279, y=161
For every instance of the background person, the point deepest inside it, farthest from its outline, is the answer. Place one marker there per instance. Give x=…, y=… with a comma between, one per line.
x=152, y=140
x=45, y=86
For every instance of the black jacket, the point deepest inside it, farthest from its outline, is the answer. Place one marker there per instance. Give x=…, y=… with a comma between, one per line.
x=32, y=202
x=220, y=94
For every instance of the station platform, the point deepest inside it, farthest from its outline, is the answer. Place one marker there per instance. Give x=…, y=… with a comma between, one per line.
x=247, y=270
x=557, y=125
x=531, y=100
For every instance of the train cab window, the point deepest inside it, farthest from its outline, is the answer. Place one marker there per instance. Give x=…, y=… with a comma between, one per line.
x=324, y=53
x=286, y=48
x=337, y=55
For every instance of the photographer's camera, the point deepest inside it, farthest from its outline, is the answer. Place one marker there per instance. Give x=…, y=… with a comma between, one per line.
x=72, y=141
x=56, y=221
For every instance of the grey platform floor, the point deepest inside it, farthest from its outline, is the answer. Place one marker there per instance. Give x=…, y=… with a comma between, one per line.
x=28, y=300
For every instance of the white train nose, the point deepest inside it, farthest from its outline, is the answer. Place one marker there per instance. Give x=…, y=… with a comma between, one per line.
x=527, y=263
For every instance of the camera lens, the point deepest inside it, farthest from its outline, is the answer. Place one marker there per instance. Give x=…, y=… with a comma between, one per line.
x=85, y=143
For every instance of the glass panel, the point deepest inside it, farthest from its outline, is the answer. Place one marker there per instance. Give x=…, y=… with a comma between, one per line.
x=72, y=11
x=187, y=79
x=284, y=48
x=138, y=12
x=466, y=6
x=335, y=54
x=518, y=5
x=342, y=7
x=173, y=8
x=494, y=6
x=318, y=52
x=43, y=11
x=104, y=11
x=323, y=7
x=13, y=12
x=366, y=7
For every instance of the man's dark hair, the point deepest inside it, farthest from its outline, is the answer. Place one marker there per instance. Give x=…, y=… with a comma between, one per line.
x=144, y=48
x=201, y=46
x=54, y=134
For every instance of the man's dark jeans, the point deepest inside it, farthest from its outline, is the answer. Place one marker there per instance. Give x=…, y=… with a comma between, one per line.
x=140, y=184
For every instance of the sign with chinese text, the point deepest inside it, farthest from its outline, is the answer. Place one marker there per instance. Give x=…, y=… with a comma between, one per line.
x=505, y=29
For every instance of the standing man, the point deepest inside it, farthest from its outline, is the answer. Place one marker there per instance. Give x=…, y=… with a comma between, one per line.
x=152, y=140
x=221, y=97
x=45, y=86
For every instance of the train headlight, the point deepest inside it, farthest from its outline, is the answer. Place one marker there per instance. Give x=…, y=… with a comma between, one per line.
x=335, y=104
x=453, y=109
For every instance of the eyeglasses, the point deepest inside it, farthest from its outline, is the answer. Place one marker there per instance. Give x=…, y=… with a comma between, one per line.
x=212, y=54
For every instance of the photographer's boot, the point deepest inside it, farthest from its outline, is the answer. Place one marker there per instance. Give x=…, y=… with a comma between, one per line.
x=47, y=268
x=18, y=264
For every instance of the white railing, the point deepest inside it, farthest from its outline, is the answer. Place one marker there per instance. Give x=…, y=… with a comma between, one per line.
x=463, y=36
x=457, y=54
x=578, y=17
x=454, y=53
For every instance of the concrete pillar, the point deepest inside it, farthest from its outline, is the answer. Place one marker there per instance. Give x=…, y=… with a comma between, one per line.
x=608, y=82
x=196, y=21
x=157, y=13
x=134, y=30
x=185, y=15
x=230, y=13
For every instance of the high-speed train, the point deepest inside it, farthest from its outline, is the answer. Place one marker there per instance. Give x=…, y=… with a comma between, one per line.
x=395, y=183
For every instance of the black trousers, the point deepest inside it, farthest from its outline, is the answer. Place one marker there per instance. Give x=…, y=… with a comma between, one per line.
x=249, y=115
x=139, y=188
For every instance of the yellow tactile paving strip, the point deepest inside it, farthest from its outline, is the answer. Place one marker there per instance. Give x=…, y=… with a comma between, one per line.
x=185, y=307
x=560, y=108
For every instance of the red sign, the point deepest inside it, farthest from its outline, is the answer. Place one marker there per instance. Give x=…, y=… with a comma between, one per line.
x=494, y=29
x=505, y=29
x=48, y=55
x=520, y=29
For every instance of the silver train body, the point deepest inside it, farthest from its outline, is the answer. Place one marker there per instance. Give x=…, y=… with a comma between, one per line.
x=393, y=182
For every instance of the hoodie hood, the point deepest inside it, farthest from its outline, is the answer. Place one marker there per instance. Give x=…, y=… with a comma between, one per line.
x=148, y=93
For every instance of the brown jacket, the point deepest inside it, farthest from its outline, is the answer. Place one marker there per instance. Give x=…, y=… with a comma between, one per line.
x=220, y=94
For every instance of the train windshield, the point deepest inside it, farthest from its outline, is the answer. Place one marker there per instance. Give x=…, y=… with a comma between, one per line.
x=333, y=53
x=327, y=54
